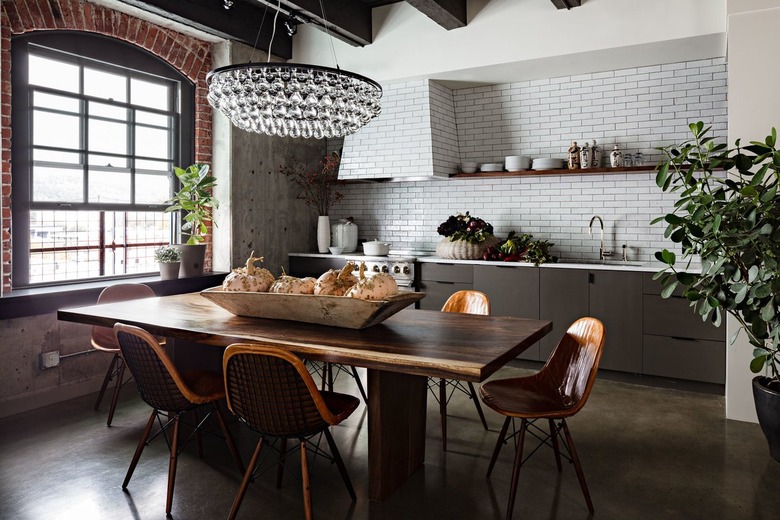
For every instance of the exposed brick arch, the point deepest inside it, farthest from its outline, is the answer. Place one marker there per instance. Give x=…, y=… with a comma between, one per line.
x=190, y=56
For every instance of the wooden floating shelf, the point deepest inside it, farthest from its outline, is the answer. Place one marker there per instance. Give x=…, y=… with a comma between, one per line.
x=532, y=173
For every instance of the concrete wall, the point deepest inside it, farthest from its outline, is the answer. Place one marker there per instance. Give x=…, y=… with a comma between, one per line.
x=754, y=108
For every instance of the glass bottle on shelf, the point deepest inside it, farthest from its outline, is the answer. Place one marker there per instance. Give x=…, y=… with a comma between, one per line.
x=628, y=160
x=616, y=157
x=639, y=159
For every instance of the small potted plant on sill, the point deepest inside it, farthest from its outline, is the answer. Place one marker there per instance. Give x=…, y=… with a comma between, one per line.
x=169, y=259
x=195, y=199
x=731, y=222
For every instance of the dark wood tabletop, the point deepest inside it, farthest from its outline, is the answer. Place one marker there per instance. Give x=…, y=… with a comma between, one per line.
x=431, y=343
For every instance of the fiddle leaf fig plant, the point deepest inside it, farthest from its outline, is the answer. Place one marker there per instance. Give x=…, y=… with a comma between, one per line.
x=196, y=199
x=727, y=214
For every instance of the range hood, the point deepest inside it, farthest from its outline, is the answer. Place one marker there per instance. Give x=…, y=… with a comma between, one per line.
x=415, y=136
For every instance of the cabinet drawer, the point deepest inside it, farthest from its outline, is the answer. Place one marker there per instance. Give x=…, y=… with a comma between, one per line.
x=650, y=286
x=674, y=317
x=436, y=293
x=697, y=360
x=444, y=272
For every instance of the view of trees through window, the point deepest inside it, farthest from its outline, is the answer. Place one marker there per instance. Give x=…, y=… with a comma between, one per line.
x=102, y=144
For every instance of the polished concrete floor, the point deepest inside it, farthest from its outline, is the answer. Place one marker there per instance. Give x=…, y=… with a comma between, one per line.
x=648, y=453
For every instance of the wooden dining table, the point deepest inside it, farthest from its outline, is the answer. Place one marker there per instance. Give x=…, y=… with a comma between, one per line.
x=399, y=355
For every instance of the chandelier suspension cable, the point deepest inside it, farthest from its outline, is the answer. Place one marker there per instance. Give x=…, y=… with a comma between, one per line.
x=273, y=31
x=257, y=38
x=330, y=36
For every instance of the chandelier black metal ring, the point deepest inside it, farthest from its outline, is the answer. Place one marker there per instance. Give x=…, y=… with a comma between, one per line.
x=295, y=100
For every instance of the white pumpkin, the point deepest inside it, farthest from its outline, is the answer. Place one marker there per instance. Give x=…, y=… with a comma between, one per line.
x=287, y=284
x=375, y=288
x=336, y=282
x=249, y=278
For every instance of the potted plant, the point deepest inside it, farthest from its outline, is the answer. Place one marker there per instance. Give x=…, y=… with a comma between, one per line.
x=466, y=237
x=196, y=200
x=731, y=222
x=169, y=259
x=318, y=191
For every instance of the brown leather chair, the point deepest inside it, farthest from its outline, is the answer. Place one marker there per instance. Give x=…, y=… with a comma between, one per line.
x=559, y=390
x=271, y=391
x=170, y=394
x=104, y=340
x=467, y=302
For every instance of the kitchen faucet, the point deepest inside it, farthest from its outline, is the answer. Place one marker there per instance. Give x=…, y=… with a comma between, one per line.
x=602, y=254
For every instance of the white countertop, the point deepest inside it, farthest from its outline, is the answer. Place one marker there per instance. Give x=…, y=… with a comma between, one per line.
x=610, y=265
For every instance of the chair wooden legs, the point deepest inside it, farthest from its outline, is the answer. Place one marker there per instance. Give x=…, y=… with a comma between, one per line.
x=106, y=379
x=229, y=439
x=577, y=466
x=340, y=464
x=499, y=443
x=516, y=470
x=172, y=464
x=474, y=398
x=245, y=482
x=305, y=481
x=139, y=449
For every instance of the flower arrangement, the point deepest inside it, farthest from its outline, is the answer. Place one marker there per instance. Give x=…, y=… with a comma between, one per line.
x=465, y=227
x=317, y=186
x=167, y=255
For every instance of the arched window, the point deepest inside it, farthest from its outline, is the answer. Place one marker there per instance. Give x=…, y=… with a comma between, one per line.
x=97, y=125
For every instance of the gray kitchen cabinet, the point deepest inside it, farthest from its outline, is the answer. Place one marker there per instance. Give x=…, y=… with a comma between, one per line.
x=311, y=266
x=563, y=299
x=677, y=343
x=616, y=299
x=513, y=291
x=439, y=281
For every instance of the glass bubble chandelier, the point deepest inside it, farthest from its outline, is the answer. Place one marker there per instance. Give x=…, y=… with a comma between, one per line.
x=292, y=99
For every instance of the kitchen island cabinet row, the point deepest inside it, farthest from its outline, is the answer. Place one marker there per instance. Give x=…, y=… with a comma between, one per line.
x=646, y=334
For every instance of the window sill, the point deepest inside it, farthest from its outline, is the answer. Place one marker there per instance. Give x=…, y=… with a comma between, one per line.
x=43, y=300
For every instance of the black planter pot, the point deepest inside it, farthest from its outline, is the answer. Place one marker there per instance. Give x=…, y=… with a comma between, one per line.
x=768, y=409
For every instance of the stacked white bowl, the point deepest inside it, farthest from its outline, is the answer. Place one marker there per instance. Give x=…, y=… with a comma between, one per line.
x=491, y=167
x=468, y=167
x=515, y=163
x=548, y=164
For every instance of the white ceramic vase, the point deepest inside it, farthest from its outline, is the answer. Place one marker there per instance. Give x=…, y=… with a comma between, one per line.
x=585, y=156
x=595, y=155
x=169, y=271
x=323, y=233
x=616, y=157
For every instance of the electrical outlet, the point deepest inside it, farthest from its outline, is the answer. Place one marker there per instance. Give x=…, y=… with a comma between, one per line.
x=50, y=359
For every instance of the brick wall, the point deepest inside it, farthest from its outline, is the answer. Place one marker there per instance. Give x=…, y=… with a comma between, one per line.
x=637, y=108
x=190, y=56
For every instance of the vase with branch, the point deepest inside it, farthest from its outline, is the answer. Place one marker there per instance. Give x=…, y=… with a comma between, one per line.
x=318, y=190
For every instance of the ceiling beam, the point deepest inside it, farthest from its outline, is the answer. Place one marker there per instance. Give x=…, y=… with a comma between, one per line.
x=450, y=14
x=239, y=23
x=566, y=4
x=347, y=20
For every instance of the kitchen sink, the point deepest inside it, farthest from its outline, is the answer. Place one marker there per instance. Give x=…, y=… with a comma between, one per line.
x=600, y=262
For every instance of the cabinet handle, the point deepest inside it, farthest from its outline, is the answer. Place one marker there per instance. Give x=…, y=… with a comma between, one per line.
x=591, y=278
x=680, y=338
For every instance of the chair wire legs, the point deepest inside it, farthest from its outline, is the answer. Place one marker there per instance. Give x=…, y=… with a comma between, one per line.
x=443, y=398
x=116, y=369
x=555, y=432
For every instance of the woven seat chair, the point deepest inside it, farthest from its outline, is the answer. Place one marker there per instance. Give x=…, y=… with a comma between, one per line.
x=468, y=302
x=104, y=340
x=559, y=390
x=169, y=392
x=271, y=391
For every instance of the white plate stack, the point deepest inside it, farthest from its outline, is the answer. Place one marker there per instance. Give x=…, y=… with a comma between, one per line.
x=491, y=167
x=516, y=163
x=549, y=164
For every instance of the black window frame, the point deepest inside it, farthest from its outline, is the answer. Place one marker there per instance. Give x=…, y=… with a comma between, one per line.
x=94, y=49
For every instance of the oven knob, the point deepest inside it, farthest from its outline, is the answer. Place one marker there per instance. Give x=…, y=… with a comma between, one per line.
x=396, y=270
x=384, y=268
x=406, y=269
x=375, y=268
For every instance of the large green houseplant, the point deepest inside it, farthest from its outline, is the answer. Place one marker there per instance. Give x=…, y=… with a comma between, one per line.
x=196, y=200
x=727, y=215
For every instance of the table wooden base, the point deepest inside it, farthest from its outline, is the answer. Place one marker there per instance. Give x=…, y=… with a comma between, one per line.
x=396, y=430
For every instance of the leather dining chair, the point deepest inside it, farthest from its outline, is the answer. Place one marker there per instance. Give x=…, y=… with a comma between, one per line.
x=272, y=392
x=104, y=340
x=170, y=393
x=468, y=302
x=559, y=390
